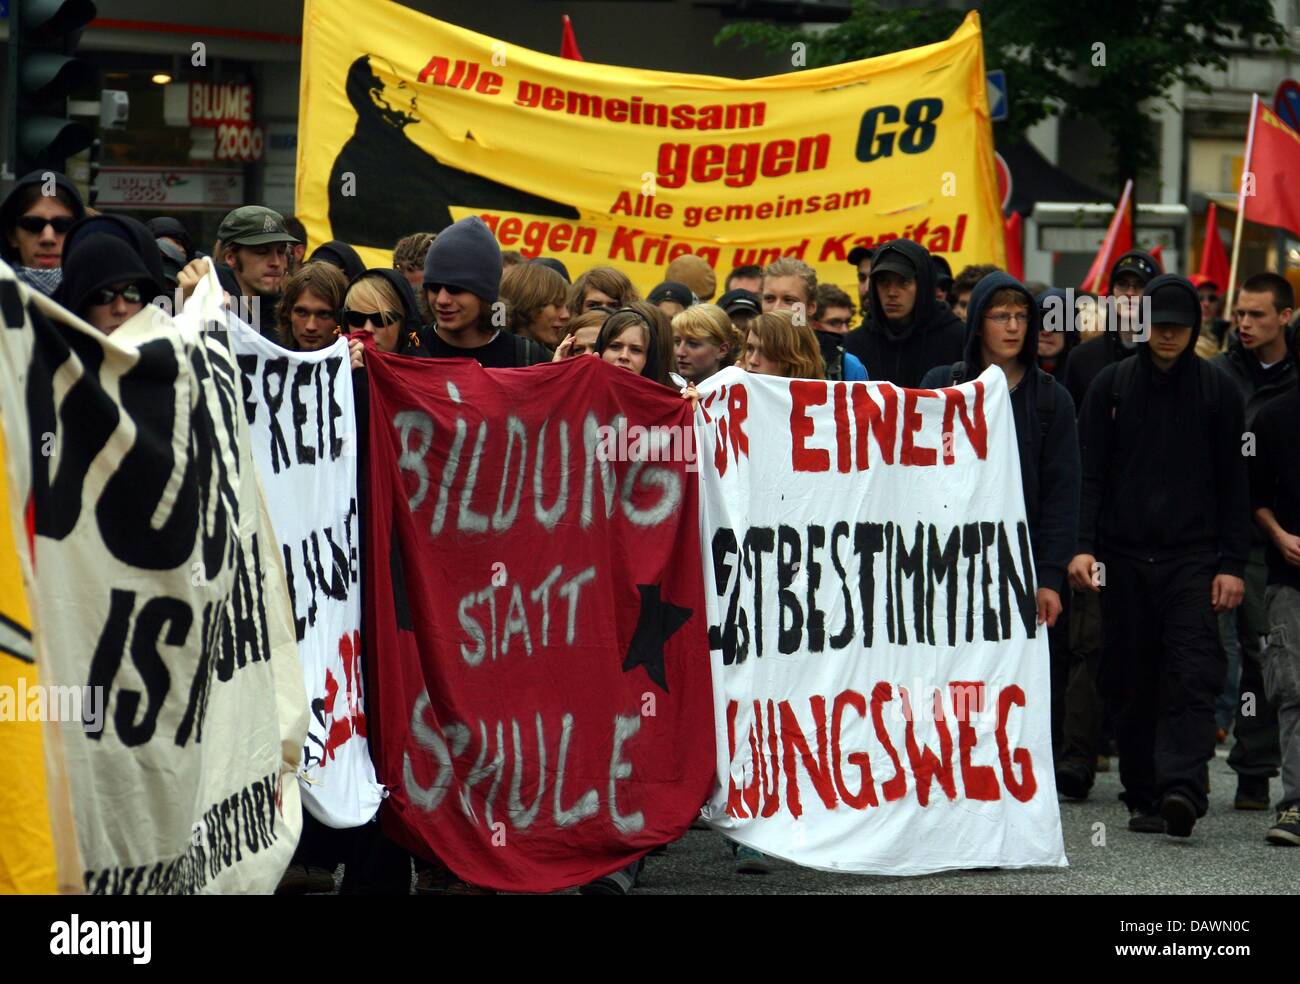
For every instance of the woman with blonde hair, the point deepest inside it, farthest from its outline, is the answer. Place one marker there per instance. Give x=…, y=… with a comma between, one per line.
x=536, y=302
x=776, y=346
x=381, y=302
x=704, y=341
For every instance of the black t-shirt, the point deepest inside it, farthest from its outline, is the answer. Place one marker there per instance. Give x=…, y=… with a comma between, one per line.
x=500, y=353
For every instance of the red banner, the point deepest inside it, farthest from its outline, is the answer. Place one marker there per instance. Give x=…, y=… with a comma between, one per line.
x=539, y=660
x=1275, y=164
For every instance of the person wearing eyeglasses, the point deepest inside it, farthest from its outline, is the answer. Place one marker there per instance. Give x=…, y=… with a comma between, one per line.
x=35, y=217
x=106, y=282
x=309, y=312
x=1002, y=328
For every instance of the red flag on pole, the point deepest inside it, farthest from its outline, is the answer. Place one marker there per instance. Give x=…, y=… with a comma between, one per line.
x=1013, y=233
x=1118, y=241
x=1272, y=173
x=1158, y=254
x=569, y=43
x=1214, y=258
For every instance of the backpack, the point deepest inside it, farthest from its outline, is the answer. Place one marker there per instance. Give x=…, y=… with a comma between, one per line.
x=1123, y=379
x=1046, y=396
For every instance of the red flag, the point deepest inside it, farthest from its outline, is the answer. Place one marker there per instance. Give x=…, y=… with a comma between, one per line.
x=1118, y=241
x=1158, y=254
x=1014, y=233
x=1274, y=164
x=537, y=636
x=568, y=43
x=1214, y=258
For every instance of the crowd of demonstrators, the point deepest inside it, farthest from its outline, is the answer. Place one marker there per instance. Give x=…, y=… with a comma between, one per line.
x=1161, y=546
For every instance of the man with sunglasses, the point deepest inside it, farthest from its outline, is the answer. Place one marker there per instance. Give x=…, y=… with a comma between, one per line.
x=35, y=217
x=462, y=283
x=255, y=246
x=106, y=281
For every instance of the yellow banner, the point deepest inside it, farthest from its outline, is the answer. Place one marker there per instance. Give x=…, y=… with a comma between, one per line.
x=408, y=123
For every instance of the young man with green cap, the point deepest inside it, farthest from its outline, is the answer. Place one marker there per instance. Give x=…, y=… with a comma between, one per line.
x=255, y=246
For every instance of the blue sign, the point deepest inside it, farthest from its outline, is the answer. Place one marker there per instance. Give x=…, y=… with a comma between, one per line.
x=997, y=95
x=1286, y=103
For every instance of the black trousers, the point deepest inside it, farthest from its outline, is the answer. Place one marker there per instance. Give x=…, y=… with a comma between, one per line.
x=1075, y=645
x=372, y=864
x=1164, y=668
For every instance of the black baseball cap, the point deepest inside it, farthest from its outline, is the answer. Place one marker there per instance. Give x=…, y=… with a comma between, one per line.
x=1137, y=262
x=671, y=290
x=1173, y=301
x=740, y=300
x=859, y=253
x=942, y=271
x=893, y=261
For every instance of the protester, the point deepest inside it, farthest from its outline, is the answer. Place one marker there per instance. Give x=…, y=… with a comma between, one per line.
x=629, y=339
x=1210, y=294
x=1259, y=364
x=310, y=307
x=601, y=287
x=106, y=281
x=909, y=332
x=671, y=298
x=164, y=227
x=964, y=283
x=536, y=303
x=704, y=341
x=552, y=263
x=1128, y=276
x=1164, y=507
x=381, y=303
x=1057, y=334
x=296, y=250
x=943, y=279
x=254, y=244
x=791, y=285
x=581, y=334
x=742, y=307
x=462, y=281
x=777, y=346
x=860, y=260
x=341, y=255
x=834, y=310
x=695, y=272
x=34, y=224
x=408, y=260
x=512, y=258
x=1002, y=330
x=747, y=277
x=1275, y=500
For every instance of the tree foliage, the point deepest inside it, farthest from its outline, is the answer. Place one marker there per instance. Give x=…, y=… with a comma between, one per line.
x=1106, y=61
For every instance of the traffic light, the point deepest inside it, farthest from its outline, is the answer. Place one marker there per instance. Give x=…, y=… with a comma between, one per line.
x=43, y=70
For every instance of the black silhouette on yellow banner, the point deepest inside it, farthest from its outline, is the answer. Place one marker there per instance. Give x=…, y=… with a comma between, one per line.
x=383, y=186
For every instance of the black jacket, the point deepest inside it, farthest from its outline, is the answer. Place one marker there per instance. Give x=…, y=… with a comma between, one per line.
x=935, y=337
x=1275, y=476
x=1163, y=473
x=1068, y=329
x=1049, y=455
x=1088, y=359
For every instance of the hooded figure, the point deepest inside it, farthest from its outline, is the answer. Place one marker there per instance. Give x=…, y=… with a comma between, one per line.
x=901, y=353
x=100, y=260
x=1045, y=433
x=383, y=184
x=80, y=275
x=1165, y=509
x=1113, y=344
x=1053, y=305
x=341, y=255
x=21, y=198
x=409, y=336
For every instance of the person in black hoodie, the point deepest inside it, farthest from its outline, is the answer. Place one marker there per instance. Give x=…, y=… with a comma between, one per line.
x=909, y=331
x=1002, y=329
x=1057, y=335
x=34, y=218
x=1258, y=363
x=1275, y=500
x=1164, y=506
x=1128, y=277
x=341, y=255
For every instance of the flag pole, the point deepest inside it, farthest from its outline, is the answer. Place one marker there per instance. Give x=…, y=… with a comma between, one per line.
x=1241, y=201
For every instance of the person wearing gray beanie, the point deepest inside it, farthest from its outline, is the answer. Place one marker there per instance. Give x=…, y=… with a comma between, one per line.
x=462, y=284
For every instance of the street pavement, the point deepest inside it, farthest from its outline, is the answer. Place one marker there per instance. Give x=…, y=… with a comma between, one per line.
x=1226, y=854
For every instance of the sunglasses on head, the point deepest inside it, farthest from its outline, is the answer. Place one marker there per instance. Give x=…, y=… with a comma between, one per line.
x=106, y=295
x=380, y=319
x=36, y=224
